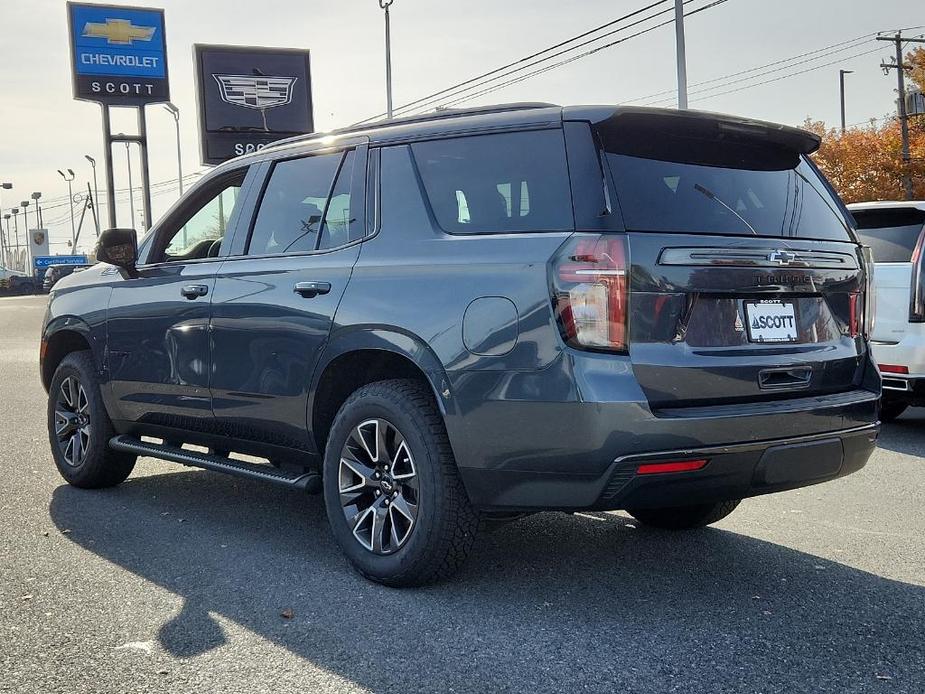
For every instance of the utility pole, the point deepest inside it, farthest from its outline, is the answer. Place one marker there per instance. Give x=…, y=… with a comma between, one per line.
x=681, y=53
x=900, y=68
x=841, y=91
x=384, y=4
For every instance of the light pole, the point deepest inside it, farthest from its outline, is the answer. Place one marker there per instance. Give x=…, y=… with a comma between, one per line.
x=38, y=210
x=96, y=194
x=841, y=93
x=4, y=251
x=15, y=212
x=25, y=214
x=384, y=4
x=70, y=200
x=175, y=112
x=4, y=238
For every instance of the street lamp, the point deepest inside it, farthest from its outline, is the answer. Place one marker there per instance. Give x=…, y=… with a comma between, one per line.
x=96, y=194
x=175, y=112
x=38, y=210
x=70, y=199
x=385, y=4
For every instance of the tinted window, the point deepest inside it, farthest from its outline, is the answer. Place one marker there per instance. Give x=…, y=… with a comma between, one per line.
x=890, y=233
x=666, y=195
x=497, y=183
x=289, y=217
x=336, y=229
x=202, y=229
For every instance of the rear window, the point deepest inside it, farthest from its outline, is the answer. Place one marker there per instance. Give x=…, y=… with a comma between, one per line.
x=508, y=182
x=721, y=187
x=890, y=233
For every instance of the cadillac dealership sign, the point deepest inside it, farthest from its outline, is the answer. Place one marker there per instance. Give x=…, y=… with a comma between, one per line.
x=249, y=97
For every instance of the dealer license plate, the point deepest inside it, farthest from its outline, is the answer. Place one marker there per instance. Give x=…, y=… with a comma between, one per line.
x=771, y=321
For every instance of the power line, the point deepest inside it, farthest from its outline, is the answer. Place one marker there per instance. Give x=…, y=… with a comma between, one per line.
x=478, y=78
x=787, y=76
x=572, y=59
x=868, y=38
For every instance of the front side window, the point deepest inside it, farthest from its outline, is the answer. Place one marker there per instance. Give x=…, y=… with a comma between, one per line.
x=501, y=183
x=199, y=232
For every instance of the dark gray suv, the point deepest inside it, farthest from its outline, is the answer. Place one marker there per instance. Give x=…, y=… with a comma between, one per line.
x=470, y=316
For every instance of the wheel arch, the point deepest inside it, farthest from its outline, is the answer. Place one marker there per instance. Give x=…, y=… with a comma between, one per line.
x=62, y=336
x=360, y=356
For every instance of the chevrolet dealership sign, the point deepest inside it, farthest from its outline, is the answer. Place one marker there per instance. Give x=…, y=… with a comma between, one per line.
x=118, y=54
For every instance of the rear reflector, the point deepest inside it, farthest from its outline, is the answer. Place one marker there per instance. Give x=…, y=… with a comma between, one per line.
x=673, y=466
x=893, y=369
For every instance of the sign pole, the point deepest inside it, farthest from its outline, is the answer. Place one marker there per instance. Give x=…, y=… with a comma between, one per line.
x=143, y=151
x=107, y=160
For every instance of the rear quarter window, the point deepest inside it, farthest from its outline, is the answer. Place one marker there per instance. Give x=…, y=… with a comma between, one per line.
x=500, y=183
x=891, y=233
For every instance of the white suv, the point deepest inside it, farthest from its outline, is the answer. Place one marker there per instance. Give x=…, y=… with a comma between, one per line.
x=895, y=232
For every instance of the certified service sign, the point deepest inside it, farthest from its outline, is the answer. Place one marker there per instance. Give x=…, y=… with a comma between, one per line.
x=119, y=54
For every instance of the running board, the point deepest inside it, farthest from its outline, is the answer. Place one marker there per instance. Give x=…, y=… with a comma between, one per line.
x=304, y=481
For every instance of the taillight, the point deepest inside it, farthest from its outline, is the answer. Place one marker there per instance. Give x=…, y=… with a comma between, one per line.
x=673, y=466
x=590, y=287
x=893, y=369
x=917, y=290
x=870, y=295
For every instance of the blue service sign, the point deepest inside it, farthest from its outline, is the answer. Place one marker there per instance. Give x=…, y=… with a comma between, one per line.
x=41, y=261
x=119, y=54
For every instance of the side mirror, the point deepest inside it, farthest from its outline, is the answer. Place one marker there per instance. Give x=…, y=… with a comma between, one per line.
x=118, y=247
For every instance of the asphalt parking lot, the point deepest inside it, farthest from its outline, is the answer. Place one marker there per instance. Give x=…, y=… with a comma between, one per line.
x=188, y=581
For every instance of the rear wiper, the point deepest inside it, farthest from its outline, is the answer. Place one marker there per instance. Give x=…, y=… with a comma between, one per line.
x=710, y=194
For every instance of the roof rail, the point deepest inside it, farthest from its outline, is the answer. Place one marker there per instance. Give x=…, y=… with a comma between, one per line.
x=439, y=114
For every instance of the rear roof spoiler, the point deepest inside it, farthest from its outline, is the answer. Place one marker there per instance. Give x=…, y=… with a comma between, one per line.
x=692, y=122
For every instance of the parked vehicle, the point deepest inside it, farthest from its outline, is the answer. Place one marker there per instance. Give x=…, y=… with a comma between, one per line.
x=53, y=273
x=477, y=314
x=15, y=282
x=895, y=232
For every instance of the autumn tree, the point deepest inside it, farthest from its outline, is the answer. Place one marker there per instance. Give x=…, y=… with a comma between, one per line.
x=865, y=163
x=915, y=66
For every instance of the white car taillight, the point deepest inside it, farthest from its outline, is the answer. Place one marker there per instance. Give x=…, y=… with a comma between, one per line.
x=870, y=296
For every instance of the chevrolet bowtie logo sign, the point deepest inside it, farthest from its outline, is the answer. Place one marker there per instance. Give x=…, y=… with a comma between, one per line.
x=118, y=31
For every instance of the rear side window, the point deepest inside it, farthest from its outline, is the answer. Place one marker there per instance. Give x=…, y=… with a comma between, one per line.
x=715, y=187
x=291, y=217
x=508, y=182
x=890, y=233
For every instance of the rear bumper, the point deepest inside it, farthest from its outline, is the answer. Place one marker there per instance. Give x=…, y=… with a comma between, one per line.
x=734, y=471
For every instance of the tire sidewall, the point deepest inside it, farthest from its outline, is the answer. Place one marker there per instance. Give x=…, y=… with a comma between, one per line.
x=426, y=455
x=79, y=365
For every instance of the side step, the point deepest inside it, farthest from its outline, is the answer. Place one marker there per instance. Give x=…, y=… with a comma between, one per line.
x=304, y=481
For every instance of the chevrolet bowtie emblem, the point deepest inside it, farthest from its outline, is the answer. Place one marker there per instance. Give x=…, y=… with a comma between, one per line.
x=118, y=31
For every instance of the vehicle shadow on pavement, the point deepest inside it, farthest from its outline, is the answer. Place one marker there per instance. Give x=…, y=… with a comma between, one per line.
x=549, y=603
x=906, y=434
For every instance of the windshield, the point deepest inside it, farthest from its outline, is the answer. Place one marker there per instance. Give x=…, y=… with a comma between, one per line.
x=672, y=196
x=891, y=233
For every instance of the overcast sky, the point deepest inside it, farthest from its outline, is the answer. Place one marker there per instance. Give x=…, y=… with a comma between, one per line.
x=436, y=43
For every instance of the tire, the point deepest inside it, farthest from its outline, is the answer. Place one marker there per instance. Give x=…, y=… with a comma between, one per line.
x=684, y=517
x=433, y=544
x=891, y=409
x=82, y=453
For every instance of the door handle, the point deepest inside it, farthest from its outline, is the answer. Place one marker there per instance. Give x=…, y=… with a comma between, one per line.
x=193, y=291
x=311, y=289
